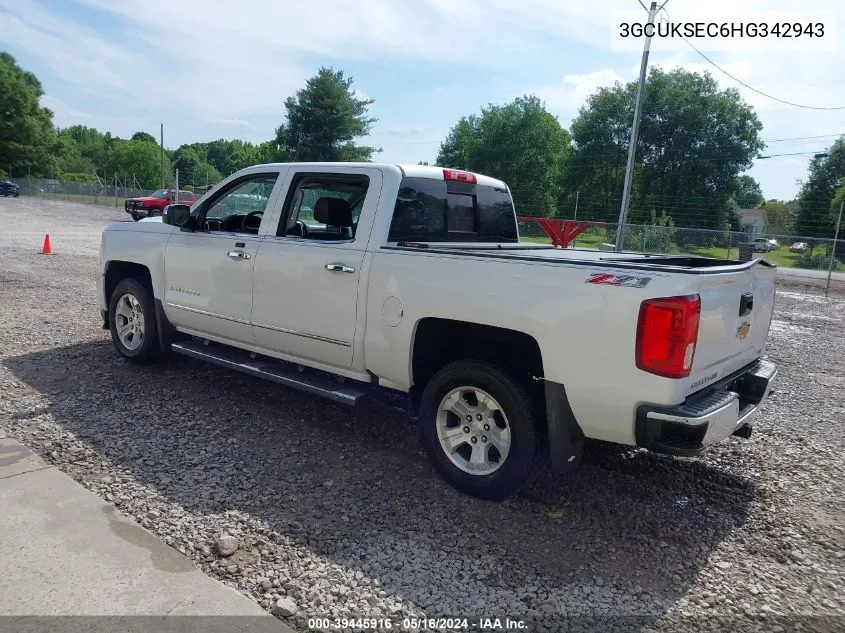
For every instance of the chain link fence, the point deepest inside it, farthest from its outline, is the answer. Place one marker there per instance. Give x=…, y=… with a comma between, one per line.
x=112, y=193
x=109, y=194
x=789, y=251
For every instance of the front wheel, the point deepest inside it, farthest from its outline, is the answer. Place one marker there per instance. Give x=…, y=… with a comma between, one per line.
x=478, y=426
x=132, y=321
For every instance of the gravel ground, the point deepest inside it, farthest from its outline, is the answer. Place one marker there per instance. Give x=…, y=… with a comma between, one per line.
x=314, y=510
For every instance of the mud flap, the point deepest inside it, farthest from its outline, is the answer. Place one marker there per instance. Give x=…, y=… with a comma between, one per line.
x=566, y=439
x=166, y=332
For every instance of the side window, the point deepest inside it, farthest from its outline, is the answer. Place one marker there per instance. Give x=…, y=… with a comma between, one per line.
x=240, y=207
x=420, y=212
x=186, y=196
x=324, y=206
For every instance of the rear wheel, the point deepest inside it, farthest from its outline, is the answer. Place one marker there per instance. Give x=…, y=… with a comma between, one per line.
x=132, y=322
x=478, y=426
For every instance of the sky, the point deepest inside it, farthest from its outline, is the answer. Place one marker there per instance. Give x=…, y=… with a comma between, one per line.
x=209, y=69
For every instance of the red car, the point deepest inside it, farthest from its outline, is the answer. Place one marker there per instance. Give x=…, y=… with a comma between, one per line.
x=153, y=205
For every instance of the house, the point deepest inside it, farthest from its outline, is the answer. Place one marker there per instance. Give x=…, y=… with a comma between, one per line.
x=754, y=221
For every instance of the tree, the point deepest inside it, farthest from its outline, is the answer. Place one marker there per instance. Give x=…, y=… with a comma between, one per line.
x=749, y=194
x=145, y=137
x=85, y=143
x=815, y=216
x=138, y=159
x=780, y=216
x=694, y=141
x=520, y=143
x=26, y=129
x=324, y=119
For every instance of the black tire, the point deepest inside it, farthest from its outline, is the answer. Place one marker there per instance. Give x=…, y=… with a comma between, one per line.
x=522, y=460
x=135, y=216
x=149, y=350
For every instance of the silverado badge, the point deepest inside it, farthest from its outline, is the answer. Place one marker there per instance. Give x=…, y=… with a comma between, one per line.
x=742, y=330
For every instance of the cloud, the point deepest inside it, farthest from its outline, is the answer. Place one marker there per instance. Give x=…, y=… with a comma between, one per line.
x=573, y=90
x=62, y=109
x=405, y=130
x=207, y=70
x=236, y=122
x=65, y=114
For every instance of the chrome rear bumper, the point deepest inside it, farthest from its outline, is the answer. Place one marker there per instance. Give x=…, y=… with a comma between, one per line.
x=709, y=416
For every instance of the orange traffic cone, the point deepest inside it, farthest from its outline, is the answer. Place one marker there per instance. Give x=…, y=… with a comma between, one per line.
x=47, y=249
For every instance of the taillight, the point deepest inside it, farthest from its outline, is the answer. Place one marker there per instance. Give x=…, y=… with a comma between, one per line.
x=459, y=176
x=667, y=332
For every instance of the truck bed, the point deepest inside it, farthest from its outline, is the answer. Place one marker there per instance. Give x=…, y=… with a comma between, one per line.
x=544, y=254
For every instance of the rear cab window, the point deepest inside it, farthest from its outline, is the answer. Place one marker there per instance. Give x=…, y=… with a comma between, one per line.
x=429, y=210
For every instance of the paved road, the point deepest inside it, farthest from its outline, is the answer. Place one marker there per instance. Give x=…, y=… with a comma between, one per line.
x=67, y=552
x=809, y=274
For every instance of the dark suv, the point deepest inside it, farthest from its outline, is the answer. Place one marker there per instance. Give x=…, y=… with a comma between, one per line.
x=8, y=188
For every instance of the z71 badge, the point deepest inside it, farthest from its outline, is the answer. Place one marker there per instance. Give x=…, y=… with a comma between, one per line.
x=609, y=279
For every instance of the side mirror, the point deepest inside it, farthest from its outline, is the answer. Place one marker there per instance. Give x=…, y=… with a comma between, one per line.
x=176, y=214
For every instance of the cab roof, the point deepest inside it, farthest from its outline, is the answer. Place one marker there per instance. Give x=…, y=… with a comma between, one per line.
x=410, y=171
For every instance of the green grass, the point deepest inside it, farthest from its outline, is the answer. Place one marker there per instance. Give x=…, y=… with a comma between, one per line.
x=782, y=256
x=582, y=241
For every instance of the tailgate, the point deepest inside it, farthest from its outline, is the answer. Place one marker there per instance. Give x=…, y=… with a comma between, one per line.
x=736, y=311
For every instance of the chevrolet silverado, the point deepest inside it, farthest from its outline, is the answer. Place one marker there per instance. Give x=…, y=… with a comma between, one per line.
x=343, y=279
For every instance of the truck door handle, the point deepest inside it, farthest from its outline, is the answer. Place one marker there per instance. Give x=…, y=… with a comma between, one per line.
x=239, y=255
x=340, y=268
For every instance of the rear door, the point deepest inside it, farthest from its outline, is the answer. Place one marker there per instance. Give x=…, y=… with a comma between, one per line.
x=308, y=271
x=736, y=312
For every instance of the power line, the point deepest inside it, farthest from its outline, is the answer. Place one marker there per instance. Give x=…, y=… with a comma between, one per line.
x=760, y=92
x=801, y=138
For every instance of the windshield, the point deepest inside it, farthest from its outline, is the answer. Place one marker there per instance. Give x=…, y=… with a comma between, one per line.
x=161, y=193
x=429, y=210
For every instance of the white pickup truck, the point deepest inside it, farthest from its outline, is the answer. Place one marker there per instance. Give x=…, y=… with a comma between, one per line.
x=336, y=278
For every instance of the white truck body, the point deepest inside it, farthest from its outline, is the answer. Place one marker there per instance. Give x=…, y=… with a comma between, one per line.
x=354, y=307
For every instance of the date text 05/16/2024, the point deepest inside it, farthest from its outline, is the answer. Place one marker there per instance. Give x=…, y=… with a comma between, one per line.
x=411, y=624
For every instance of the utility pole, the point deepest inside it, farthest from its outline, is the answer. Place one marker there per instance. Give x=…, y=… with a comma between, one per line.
x=161, y=154
x=833, y=248
x=635, y=128
x=575, y=216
